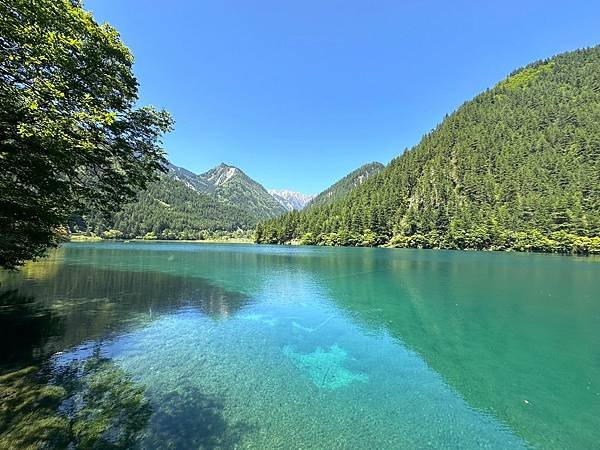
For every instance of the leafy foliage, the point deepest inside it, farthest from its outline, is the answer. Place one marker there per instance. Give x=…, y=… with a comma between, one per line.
x=70, y=137
x=518, y=167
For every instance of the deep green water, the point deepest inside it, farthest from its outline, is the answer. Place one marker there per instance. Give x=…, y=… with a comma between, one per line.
x=301, y=347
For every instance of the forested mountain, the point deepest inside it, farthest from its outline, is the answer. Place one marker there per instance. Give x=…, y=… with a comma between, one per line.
x=291, y=200
x=183, y=205
x=342, y=187
x=517, y=167
x=232, y=186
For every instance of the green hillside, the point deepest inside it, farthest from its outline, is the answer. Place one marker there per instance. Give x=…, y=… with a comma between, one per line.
x=170, y=209
x=343, y=187
x=183, y=205
x=517, y=167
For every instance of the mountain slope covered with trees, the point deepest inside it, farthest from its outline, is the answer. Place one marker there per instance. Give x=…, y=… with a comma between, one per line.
x=517, y=167
x=343, y=187
x=169, y=209
x=233, y=187
x=183, y=205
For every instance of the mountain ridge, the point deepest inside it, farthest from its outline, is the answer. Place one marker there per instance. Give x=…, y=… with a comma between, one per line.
x=346, y=184
x=231, y=185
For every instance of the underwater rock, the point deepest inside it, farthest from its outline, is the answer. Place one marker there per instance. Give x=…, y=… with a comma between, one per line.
x=325, y=367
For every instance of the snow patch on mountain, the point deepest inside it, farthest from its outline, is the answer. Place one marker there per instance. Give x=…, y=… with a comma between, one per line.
x=290, y=200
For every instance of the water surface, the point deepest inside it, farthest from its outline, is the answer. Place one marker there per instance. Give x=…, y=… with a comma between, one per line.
x=242, y=346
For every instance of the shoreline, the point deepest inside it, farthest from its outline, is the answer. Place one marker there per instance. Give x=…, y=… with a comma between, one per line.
x=296, y=243
x=84, y=239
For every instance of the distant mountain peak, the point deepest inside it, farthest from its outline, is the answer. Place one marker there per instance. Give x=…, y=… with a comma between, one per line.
x=224, y=166
x=291, y=200
x=231, y=186
x=221, y=174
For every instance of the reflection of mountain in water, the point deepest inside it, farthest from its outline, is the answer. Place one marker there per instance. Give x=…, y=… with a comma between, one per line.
x=82, y=303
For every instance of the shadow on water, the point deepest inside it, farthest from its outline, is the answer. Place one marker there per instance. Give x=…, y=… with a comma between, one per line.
x=189, y=418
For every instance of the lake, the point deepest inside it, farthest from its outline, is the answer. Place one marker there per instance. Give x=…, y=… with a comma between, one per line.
x=179, y=345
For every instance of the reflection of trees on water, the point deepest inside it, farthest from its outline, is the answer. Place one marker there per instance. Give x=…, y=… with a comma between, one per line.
x=25, y=326
x=94, y=403
x=475, y=319
x=82, y=303
x=134, y=291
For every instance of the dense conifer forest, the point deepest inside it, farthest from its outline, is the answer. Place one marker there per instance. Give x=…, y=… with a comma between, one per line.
x=168, y=209
x=517, y=167
x=343, y=187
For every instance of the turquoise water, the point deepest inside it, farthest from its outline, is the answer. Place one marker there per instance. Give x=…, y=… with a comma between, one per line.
x=242, y=346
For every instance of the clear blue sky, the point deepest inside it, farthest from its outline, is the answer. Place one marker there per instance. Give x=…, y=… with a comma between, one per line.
x=299, y=93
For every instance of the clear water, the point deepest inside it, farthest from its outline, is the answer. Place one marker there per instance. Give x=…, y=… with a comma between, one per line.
x=242, y=346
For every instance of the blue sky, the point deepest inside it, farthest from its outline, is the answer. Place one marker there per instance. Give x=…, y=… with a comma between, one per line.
x=299, y=93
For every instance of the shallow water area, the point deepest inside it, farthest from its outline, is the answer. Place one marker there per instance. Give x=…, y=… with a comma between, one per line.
x=243, y=346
